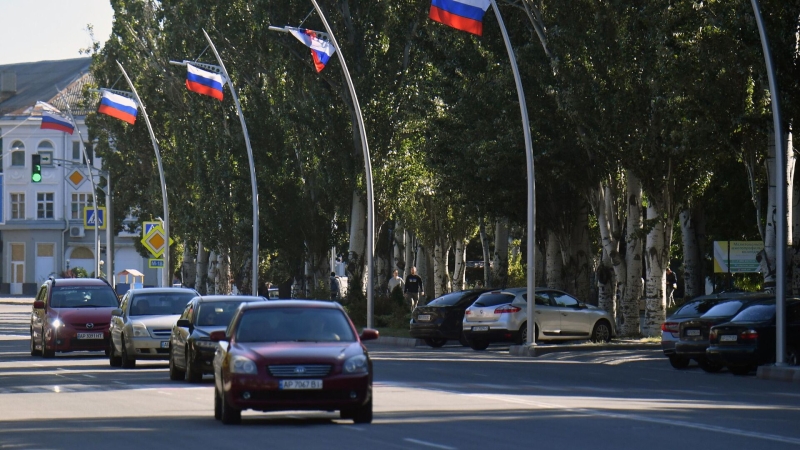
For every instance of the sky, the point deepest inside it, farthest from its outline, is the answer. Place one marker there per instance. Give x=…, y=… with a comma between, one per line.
x=41, y=30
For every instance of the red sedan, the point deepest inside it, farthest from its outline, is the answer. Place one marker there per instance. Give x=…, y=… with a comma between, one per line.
x=292, y=355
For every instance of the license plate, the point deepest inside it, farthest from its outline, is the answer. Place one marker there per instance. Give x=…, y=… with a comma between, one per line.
x=424, y=317
x=90, y=335
x=164, y=344
x=693, y=332
x=480, y=328
x=728, y=338
x=300, y=384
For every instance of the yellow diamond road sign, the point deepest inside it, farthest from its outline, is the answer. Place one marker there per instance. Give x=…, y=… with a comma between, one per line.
x=154, y=241
x=76, y=178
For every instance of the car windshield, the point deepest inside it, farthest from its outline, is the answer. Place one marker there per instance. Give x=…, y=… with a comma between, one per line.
x=216, y=314
x=724, y=309
x=493, y=298
x=159, y=303
x=294, y=324
x=756, y=313
x=447, y=300
x=83, y=297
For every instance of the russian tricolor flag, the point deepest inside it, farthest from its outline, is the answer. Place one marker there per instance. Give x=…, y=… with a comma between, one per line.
x=53, y=120
x=464, y=15
x=321, y=50
x=119, y=107
x=204, y=82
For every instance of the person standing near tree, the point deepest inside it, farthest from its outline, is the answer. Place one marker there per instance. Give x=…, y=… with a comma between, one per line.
x=414, y=288
x=672, y=284
x=395, y=282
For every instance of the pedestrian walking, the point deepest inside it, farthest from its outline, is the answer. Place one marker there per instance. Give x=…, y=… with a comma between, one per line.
x=395, y=282
x=335, y=286
x=414, y=288
x=672, y=284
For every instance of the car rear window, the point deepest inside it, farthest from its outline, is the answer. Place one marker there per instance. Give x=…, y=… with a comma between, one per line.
x=447, y=300
x=724, y=309
x=159, y=304
x=755, y=313
x=83, y=297
x=216, y=314
x=494, y=298
x=294, y=325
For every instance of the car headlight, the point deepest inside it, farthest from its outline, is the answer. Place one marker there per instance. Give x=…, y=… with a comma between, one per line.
x=139, y=330
x=240, y=364
x=205, y=344
x=356, y=364
x=57, y=323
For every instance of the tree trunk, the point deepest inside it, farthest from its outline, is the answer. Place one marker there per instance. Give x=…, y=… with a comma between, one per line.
x=554, y=264
x=224, y=272
x=356, y=263
x=441, y=272
x=188, y=268
x=487, y=266
x=693, y=283
x=541, y=264
x=410, y=255
x=579, y=256
x=658, y=242
x=460, y=269
x=768, y=254
x=399, y=254
x=201, y=285
x=629, y=323
x=606, y=286
x=422, y=269
x=500, y=260
x=211, y=285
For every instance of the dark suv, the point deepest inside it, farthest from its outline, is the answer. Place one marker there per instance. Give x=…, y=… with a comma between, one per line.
x=71, y=314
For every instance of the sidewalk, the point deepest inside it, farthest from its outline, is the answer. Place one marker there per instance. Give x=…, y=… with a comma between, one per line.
x=544, y=349
x=15, y=300
x=783, y=373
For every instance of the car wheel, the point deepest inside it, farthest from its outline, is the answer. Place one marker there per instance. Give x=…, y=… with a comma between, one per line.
x=113, y=359
x=601, y=331
x=792, y=357
x=462, y=339
x=479, y=344
x=47, y=352
x=34, y=352
x=192, y=374
x=679, y=362
x=709, y=366
x=227, y=413
x=435, y=343
x=175, y=374
x=523, y=334
x=741, y=370
x=127, y=361
x=217, y=405
x=363, y=414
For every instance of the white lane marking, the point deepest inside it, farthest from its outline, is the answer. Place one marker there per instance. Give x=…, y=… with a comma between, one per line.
x=428, y=444
x=119, y=382
x=350, y=427
x=89, y=376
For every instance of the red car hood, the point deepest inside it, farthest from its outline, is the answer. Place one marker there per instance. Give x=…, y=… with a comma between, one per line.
x=301, y=352
x=77, y=315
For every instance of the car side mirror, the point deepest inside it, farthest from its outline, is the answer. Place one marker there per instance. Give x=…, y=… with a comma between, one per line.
x=116, y=312
x=217, y=336
x=369, y=334
x=184, y=323
x=38, y=304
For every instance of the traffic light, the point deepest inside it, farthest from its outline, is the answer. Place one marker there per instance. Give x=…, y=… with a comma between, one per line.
x=36, y=168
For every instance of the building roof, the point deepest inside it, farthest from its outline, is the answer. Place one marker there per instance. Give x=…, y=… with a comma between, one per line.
x=37, y=81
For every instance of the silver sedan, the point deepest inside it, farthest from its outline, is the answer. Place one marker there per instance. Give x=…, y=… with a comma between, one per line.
x=141, y=326
x=502, y=316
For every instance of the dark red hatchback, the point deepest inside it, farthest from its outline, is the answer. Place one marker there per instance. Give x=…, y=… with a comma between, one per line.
x=292, y=355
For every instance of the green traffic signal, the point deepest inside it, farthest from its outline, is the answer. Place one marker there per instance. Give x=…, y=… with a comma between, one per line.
x=36, y=168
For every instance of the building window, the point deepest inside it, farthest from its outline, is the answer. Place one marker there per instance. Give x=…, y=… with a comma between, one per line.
x=80, y=201
x=76, y=150
x=44, y=205
x=18, y=205
x=18, y=154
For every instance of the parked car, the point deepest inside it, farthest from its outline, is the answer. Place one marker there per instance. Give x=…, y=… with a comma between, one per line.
x=692, y=310
x=142, y=325
x=292, y=355
x=71, y=314
x=441, y=319
x=501, y=316
x=191, y=350
x=748, y=340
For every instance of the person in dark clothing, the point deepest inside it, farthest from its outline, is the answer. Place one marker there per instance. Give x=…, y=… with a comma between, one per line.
x=335, y=286
x=672, y=284
x=414, y=288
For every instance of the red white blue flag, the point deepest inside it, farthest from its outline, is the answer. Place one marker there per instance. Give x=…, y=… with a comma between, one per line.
x=204, y=82
x=464, y=15
x=52, y=119
x=119, y=107
x=321, y=50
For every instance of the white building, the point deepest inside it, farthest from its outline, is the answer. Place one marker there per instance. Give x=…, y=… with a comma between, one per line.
x=42, y=224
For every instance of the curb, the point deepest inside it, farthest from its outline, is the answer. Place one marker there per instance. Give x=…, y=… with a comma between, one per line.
x=399, y=341
x=782, y=373
x=539, y=350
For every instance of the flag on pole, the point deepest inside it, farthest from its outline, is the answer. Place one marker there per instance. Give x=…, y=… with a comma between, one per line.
x=321, y=50
x=52, y=119
x=464, y=15
x=204, y=82
x=119, y=107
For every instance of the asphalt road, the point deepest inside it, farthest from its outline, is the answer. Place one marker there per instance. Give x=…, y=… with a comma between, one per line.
x=449, y=398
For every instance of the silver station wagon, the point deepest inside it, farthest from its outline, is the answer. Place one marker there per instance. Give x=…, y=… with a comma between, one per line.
x=502, y=316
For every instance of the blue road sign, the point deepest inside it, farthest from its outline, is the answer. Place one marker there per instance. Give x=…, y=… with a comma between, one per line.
x=89, y=220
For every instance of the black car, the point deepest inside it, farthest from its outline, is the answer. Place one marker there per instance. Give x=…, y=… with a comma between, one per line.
x=748, y=340
x=693, y=333
x=441, y=319
x=191, y=351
